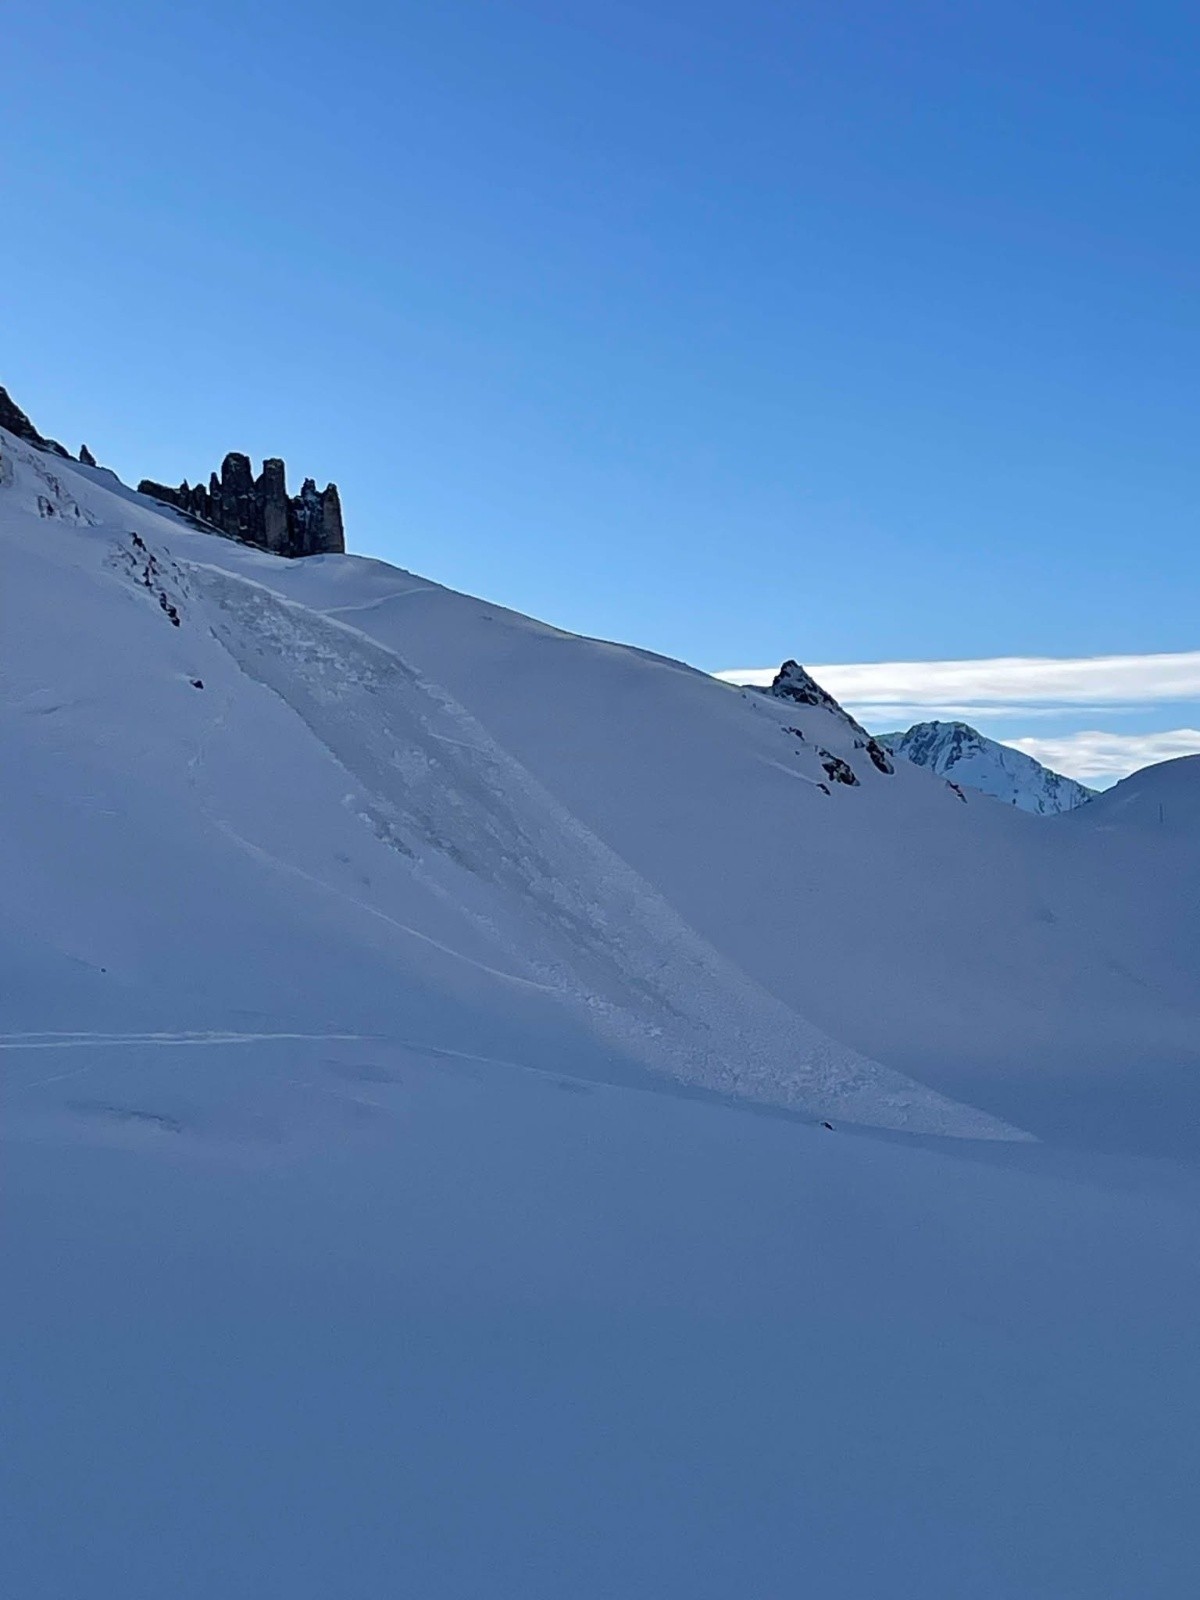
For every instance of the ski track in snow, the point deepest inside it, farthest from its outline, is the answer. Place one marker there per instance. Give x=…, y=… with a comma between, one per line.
x=65, y=1041
x=371, y=605
x=323, y=887
x=158, y=1041
x=790, y=772
x=217, y=1039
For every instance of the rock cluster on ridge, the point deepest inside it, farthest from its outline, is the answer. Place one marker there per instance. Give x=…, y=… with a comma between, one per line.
x=259, y=510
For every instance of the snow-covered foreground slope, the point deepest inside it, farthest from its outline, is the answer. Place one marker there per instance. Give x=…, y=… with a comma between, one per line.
x=342, y=1318
x=379, y=967
x=956, y=750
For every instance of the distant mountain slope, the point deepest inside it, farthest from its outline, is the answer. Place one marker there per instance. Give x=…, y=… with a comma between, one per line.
x=956, y=750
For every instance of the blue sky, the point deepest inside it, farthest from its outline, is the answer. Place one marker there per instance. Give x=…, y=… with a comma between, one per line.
x=856, y=332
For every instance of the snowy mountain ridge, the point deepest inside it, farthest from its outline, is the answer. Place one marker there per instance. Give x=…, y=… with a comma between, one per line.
x=956, y=750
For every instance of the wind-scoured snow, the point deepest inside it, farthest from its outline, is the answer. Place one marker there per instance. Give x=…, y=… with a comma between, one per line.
x=417, y=1028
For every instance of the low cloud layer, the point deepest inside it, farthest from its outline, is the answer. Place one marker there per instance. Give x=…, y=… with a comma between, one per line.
x=1095, y=756
x=1005, y=681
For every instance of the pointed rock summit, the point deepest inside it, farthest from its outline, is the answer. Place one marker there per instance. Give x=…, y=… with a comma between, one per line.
x=792, y=682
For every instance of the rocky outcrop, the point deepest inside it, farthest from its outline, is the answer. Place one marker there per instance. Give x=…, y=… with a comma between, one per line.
x=15, y=420
x=792, y=682
x=836, y=769
x=259, y=511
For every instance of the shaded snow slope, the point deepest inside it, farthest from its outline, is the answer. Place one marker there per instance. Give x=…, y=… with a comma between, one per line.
x=956, y=750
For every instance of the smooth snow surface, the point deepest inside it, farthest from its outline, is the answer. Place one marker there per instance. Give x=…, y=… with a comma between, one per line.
x=416, y=1032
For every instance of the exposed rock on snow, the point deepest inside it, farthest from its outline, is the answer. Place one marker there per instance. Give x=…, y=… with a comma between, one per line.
x=258, y=511
x=16, y=422
x=837, y=770
x=792, y=682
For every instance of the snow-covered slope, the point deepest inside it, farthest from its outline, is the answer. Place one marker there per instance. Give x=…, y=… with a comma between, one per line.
x=970, y=945
x=383, y=971
x=956, y=750
x=1159, y=803
x=270, y=797
x=385, y=788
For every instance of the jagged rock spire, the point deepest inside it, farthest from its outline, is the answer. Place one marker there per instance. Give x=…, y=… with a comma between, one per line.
x=236, y=503
x=259, y=510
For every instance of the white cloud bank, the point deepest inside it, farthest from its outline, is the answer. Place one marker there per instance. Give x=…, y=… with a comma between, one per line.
x=889, y=695
x=1093, y=756
x=1004, y=681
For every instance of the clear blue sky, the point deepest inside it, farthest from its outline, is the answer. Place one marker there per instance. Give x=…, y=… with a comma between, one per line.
x=854, y=331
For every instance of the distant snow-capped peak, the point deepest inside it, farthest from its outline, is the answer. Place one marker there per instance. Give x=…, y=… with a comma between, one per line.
x=955, y=749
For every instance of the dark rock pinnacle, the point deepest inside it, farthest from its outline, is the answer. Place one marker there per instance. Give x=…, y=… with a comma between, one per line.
x=259, y=511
